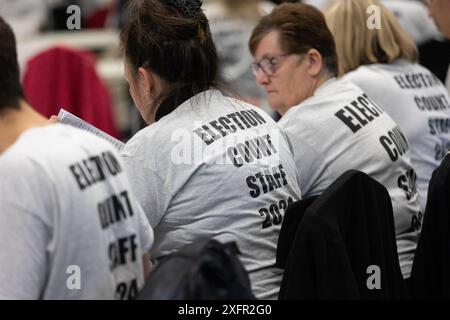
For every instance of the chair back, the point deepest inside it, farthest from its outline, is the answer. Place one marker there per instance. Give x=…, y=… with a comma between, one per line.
x=430, y=276
x=344, y=247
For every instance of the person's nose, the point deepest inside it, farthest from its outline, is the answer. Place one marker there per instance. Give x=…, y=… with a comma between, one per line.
x=262, y=78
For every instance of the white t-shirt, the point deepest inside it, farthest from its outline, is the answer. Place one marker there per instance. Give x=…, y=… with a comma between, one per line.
x=70, y=227
x=339, y=129
x=419, y=103
x=193, y=179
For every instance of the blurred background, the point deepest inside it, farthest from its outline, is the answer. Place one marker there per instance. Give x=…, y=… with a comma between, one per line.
x=81, y=69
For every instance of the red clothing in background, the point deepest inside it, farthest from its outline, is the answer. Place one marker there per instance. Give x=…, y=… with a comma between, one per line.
x=66, y=78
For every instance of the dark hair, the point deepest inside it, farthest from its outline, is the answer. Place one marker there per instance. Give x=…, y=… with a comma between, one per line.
x=176, y=46
x=301, y=27
x=10, y=87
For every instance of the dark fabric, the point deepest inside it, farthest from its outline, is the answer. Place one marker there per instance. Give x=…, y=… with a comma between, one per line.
x=430, y=278
x=347, y=229
x=435, y=56
x=203, y=270
x=291, y=221
x=408, y=284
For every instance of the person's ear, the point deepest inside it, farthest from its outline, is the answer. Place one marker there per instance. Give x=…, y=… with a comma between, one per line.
x=315, y=62
x=146, y=81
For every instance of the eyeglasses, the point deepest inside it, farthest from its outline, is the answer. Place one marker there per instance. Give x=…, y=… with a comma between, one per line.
x=268, y=64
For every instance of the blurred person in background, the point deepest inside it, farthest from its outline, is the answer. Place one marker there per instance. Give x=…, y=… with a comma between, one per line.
x=29, y=17
x=94, y=13
x=413, y=17
x=231, y=23
x=26, y=17
x=434, y=50
x=440, y=12
x=384, y=63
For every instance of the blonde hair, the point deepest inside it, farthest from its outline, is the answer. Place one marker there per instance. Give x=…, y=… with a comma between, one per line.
x=358, y=45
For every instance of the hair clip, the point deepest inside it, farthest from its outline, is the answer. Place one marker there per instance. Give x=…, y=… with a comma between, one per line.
x=189, y=8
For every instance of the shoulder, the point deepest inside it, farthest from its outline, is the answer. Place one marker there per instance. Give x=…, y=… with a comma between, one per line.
x=32, y=147
x=25, y=182
x=365, y=75
x=15, y=160
x=378, y=81
x=59, y=136
x=52, y=146
x=415, y=67
x=152, y=139
x=327, y=97
x=139, y=138
x=317, y=111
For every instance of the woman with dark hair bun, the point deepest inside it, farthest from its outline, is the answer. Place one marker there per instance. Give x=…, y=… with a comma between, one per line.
x=207, y=165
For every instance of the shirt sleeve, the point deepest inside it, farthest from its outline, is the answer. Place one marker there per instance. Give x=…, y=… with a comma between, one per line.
x=145, y=230
x=23, y=263
x=148, y=187
x=308, y=161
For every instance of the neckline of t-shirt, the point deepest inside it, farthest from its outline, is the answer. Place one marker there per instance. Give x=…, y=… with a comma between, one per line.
x=29, y=132
x=319, y=90
x=400, y=62
x=323, y=87
x=50, y=126
x=207, y=93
